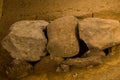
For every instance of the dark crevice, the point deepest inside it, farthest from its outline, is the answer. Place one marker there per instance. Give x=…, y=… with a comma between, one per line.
x=107, y=51
x=48, y=54
x=45, y=33
x=92, y=15
x=33, y=63
x=83, y=47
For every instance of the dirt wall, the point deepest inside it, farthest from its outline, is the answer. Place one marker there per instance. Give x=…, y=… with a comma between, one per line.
x=15, y=10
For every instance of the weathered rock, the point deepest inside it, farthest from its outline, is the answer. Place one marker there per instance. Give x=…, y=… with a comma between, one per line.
x=18, y=69
x=91, y=57
x=94, y=52
x=83, y=62
x=99, y=33
x=62, y=37
x=26, y=40
x=29, y=24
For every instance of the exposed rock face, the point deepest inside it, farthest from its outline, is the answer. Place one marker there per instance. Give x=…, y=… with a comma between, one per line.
x=99, y=33
x=62, y=37
x=18, y=69
x=26, y=40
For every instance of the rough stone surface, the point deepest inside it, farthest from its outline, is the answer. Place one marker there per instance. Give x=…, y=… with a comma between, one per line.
x=83, y=62
x=99, y=33
x=26, y=40
x=62, y=37
x=18, y=69
x=94, y=52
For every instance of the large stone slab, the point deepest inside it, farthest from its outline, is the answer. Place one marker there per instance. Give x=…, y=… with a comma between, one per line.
x=26, y=40
x=99, y=33
x=62, y=37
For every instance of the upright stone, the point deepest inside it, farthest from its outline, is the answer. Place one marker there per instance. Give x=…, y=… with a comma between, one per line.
x=62, y=37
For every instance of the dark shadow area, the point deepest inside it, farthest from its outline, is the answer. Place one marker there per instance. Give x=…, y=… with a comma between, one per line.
x=45, y=32
x=83, y=49
x=33, y=63
x=83, y=46
x=107, y=51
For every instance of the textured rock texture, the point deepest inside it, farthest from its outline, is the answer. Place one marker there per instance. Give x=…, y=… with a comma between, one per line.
x=62, y=37
x=83, y=62
x=99, y=33
x=26, y=40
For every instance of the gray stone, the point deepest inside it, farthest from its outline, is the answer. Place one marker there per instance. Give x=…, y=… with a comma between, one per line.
x=62, y=37
x=83, y=62
x=26, y=40
x=99, y=33
x=18, y=69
